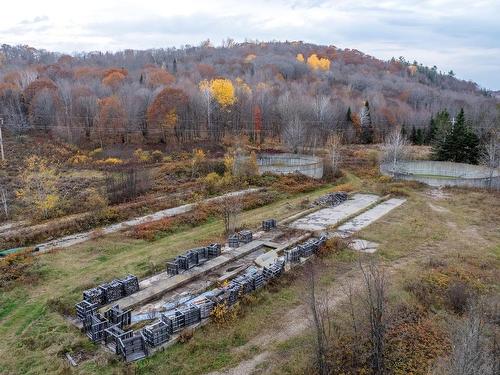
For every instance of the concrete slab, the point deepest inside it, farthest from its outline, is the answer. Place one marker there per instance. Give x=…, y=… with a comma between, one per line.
x=154, y=287
x=363, y=246
x=368, y=217
x=77, y=238
x=322, y=219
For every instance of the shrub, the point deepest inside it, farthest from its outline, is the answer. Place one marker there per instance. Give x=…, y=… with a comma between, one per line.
x=111, y=161
x=96, y=153
x=156, y=156
x=223, y=314
x=79, y=159
x=94, y=200
x=458, y=296
x=142, y=156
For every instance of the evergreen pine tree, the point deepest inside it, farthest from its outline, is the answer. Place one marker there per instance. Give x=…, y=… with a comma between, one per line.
x=366, y=124
x=413, y=136
x=431, y=132
x=457, y=143
x=404, y=133
x=174, y=66
x=348, y=117
x=419, y=139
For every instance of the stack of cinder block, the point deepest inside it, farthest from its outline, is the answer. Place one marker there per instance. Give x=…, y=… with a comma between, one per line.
x=293, y=255
x=173, y=267
x=156, y=334
x=130, y=285
x=214, y=250
x=132, y=348
x=118, y=316
x=205, y=305
x=274, y=270
x=233, y=241
x=245, y=236
x=94, y=296
x=113, y=333
x=95, y=326
x=85, y=308
x=174, y=321
x=268, y=225
x=191, y=314
x=112, y=291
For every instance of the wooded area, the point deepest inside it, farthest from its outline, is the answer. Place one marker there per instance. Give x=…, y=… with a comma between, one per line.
x=289, y=91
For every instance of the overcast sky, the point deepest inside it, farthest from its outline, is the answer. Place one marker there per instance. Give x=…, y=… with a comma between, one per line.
x=463, y=35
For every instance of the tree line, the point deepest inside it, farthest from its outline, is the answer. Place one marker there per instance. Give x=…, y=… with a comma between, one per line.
x=294, y=92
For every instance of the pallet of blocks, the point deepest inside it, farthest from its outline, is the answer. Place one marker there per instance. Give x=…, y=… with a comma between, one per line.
x=117, y=316
x=245, y=236
x=174, y=321
x=94, y=296
x=130, y=285
x=214, y=250
x=173, y=267
x=133, y=348
x=293, y=255
x=113, y=333
x=268, y=225
x=156, y=334
x=95, y=326
x=274, y=270
x=233, y=241
x=205, y=305
x=85, y=308
x=191, y=314
x=112, y=291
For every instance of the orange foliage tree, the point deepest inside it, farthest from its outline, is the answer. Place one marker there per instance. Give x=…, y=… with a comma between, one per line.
x=111, y=118
x=164, y=112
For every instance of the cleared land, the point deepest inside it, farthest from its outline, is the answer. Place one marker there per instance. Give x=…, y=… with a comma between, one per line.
x=271, y=333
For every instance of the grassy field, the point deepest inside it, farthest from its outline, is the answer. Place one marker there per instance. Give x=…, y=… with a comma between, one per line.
x=35, y=336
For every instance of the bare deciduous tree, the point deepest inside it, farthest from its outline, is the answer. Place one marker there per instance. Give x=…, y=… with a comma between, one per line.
x=321, y=318
x=472, y=352
x=334, y=147
x=231, y=208
x=395, y=148
x=375, y=296
x=491, y=154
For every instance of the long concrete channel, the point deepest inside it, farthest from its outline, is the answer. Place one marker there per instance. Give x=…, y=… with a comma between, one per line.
x=155, y=289
x=77, y=238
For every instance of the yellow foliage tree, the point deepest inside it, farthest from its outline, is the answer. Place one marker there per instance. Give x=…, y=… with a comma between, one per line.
x=221, y=89
x=198, y=158
x=316, y=63
x=300, y=57
x=39, y=188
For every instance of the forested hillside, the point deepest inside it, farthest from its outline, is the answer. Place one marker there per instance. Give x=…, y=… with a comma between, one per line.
x=289, y=91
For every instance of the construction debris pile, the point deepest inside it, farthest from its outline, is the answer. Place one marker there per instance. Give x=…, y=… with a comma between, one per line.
x=110, y=329
x=193, y=258
x=331, y=199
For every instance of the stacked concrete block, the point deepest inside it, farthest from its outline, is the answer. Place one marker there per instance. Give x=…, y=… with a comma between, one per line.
x=274, y=270
x=332, y=199
x=113, y=333
x=269, y=224
x=191, y=315
x=214, y=250
x=174, y=321
x=132, y=348
x=156, y=334
x=173, y=267
x=205, y=305
x=112, y=291
x=130, y=285
x=293, y=255
x=118, y=316
x=233, y=241
x=94, y=296
x=85, y=308
x=95, y=326
x=245, y=236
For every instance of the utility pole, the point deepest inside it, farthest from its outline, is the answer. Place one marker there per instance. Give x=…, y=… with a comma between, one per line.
x=1, y=139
